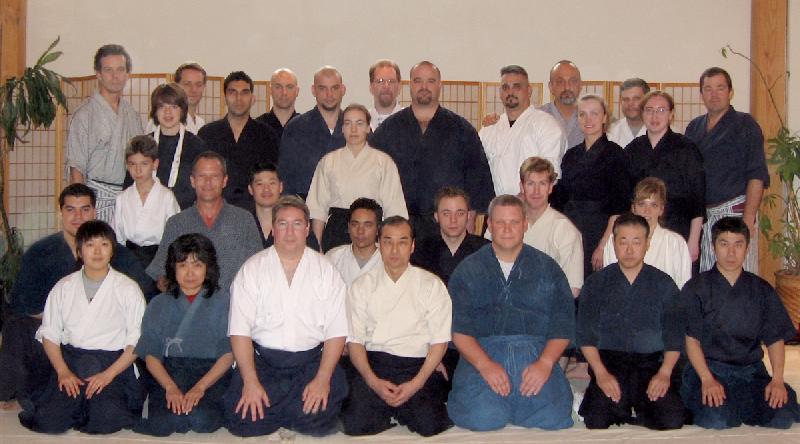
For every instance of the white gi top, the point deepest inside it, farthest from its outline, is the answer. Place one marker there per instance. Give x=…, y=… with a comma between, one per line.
x=193, y=124
x=668, y=252
x=111, y=321
x=554, y=235
x=143, y=224
x=620, y=133
x=98, y=136
x=401, y=318
x=535, y=133
x=341, y=178
x=282, y=317
x=344, y=260
x=375, y=119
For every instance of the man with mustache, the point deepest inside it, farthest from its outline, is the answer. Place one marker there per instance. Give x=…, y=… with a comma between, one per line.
x=565, y=88
x=433, y=147
x=312, y=134
x=521, y=132
x=384, y=85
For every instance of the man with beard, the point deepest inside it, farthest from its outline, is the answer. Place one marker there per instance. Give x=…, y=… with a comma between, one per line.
x=313, y=134
x=239, y=139
x=624, y=130
x=384, y=85
x=521, y=132
x=433, y=147
x=283, y=90
x=565, y=88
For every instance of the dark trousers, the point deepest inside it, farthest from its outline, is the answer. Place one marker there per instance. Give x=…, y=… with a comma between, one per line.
x=365, y=413
x=206, y=417
x=118, y=406
x=424, y=225
x=633, y=372
x=24, y=367
x=744, y=398
x=336, y=230
x=284, y=375
x=144, y=254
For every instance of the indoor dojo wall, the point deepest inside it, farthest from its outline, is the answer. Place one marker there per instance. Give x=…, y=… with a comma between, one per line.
x=669, y=42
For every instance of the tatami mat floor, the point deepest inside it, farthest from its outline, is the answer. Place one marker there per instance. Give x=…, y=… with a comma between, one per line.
x=12, y=433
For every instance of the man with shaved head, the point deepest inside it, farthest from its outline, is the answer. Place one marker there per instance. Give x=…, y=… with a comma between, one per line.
x=312, y=134
x=283, y=90
x=565, y=88
x=433, y=147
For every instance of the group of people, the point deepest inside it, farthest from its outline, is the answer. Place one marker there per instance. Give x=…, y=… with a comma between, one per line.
x=340, y=261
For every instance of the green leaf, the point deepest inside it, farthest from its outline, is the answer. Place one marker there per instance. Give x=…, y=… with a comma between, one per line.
x=49, y=48
x=47, y=58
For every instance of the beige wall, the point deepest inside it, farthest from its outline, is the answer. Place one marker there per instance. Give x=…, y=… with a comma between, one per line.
x=614, y=39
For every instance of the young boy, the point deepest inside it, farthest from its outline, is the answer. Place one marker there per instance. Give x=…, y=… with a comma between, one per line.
x=90, y=326
x=730, y=313
x=142, y=210
x=630, y=331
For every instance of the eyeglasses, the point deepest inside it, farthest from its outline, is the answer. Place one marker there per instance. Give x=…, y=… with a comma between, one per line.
x=386, y=82
x=660, y=110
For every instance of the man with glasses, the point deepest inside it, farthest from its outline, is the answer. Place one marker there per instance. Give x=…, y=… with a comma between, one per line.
x=433, y=147
x=287, y=325
x=384, y=85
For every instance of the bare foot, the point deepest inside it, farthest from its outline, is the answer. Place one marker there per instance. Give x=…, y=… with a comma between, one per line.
x=10, y=406
x=577, y=370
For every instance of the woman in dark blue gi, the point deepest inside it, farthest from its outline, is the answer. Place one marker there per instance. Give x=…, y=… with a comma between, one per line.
x=89, y=328
x=185, y=344
x=730, y=313
x=595, y=184
x=675, y=159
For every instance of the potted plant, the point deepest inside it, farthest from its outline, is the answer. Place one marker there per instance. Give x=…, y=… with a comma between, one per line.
x=26, y=102
x=783, y=238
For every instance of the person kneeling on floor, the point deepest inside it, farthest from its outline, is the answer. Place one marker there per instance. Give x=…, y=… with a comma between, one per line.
x=730, y=313
x=630, y=331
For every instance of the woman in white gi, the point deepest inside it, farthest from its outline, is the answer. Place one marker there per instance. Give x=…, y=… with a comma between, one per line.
x=89, y=329
x=667, y=251
x=353, y=171
x=185, y=343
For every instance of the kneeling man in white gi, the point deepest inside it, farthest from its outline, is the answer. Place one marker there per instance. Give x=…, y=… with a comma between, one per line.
x=400, y=318
x=287, y=327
